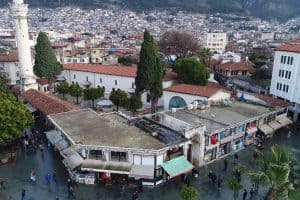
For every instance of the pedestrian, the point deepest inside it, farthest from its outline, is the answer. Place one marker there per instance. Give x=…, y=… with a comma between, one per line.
x=33, y=176
x=252, y=191
x=210, y=174
x=219, y=182
x=56, y=198
x=71, y=193
x=225, y=165
x=214, y=178
x=235, y=158
x=134, y=195
x=23, y=193
x=238, y=175
x=54, y=176
x=2, y=183
x=245, y=194
x=140, y=186
x=69, y=182
x=48, y=179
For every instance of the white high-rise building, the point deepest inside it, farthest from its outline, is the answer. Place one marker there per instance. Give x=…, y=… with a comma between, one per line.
x=286, y=75
x=19, y=11
x=216, y=41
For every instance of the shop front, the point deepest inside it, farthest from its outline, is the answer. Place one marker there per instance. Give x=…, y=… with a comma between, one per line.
x=238, y=144
x=225, y=148
x=250, y=133
x=211, y=154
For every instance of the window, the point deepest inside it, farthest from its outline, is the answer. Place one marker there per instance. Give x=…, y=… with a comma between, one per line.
x=95, y=154
x=87, y=78
x=116, y=82
x=281, y=60
x=286, y=74
x=292, y=60
x=288, y=60
x=148, y=98
x=100, y=80
x=132, y=85
x=74, y=76
x=284, y=87
x=279, y=73
x=277, y=87
x=280, y=86
x=284, y=60
x=289, y=76
x=118, y=156
x=72, y=82
x=74, y=60
x=287, y=88
x=82, y=60
x=69, y=60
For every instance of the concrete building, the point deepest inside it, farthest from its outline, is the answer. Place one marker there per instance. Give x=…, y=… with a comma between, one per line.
x=103, y=147
x=285, y=81
x=182, y=95
x=231, y=69
x=9, y=65
x=19, y=10
x=216, y=41
x=219, y=131
x=109, y=77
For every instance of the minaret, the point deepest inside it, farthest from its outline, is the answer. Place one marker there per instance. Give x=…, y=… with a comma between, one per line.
x=19, y=11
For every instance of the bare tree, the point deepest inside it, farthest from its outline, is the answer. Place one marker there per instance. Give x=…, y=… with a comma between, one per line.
x=178, y=43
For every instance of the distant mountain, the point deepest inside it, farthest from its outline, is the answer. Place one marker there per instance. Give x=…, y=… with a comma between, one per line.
x=266, y=9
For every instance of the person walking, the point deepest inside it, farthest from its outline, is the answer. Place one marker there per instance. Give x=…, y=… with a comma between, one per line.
x=71, y=193
x=219, y=182
x=235, y=158
x=252, y=191
x=33, y=176
x=225, y=165
x=245, y=194
x=23, y=193
x=48, y=181
x=54, y=176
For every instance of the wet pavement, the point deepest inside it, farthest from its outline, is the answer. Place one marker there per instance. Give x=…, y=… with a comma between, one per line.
x=17, y=176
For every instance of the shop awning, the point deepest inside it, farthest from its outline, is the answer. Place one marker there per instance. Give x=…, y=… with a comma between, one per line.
x=106, y=166
x=177, y=166
x=266, y=129
x=53, y=136
x=30, y=108
x=284, y=121
x=252, y=130
x=141, y=171
x=61, y=145
x=275, y=125
x=73, y=161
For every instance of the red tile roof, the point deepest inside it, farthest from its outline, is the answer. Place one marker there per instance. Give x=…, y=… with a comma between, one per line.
x=272, y=101
x=10, y=57
x=111, y=70
x=236, y=66
x=203, y=91
x=42, y=81
x=46, y=103
x=291, y=46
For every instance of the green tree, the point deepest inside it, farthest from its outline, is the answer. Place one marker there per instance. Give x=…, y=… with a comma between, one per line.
x=14, y=118
x=63, y=88
x=235, y=186
x=76, y=91
x=205, y=57
x=119, y=98
x=92, y=94
x=188, y=193
x=274, y=170
x=127, y=60
x=150, y=71
x=134, y=102
x=191, y=71
x=45, y=64
x=3, y=83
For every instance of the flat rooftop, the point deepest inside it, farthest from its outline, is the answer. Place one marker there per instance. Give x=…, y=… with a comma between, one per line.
x=86, y=127
x=218, y=117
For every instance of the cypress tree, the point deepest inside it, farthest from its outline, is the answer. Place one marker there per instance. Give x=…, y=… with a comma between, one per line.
x=45, y=64
x=150, y=71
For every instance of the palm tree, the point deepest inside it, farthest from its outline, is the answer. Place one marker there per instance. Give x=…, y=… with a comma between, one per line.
x=205, y=57
x=235, y=186
x=274, y=171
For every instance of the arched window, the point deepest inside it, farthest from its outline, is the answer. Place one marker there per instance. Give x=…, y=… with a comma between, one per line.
x=177, y=102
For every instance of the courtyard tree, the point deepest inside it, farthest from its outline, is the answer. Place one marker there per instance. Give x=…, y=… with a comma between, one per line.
x=274, y=170
x=119, y=98
x=3, y=83
x=134, y=103
x=14, y=118
x=205, y=57
x=127, y=60
x=178, y=43
x=46, y=64
x=91, y=94
x=191, y=71
x=76, y=91
x=188, y=193
x=63, y=88
x=235, y=186
x=150, y=71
